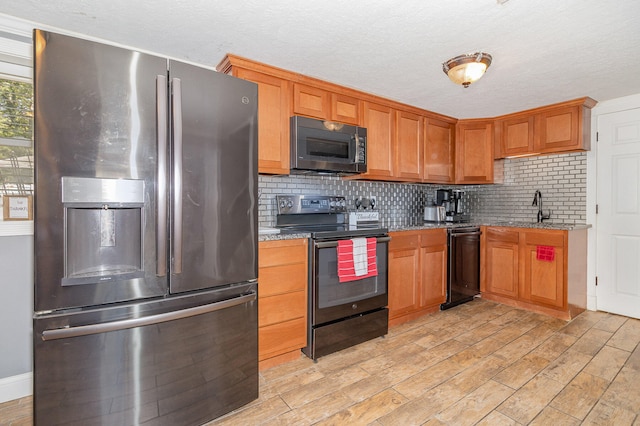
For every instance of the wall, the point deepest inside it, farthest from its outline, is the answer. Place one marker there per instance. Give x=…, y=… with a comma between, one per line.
x=561, y=178
x=16, y=306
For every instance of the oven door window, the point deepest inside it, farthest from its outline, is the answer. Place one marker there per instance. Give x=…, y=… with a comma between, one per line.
x=332, y=293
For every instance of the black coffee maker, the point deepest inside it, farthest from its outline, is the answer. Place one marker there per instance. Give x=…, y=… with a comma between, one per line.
x=451, y=199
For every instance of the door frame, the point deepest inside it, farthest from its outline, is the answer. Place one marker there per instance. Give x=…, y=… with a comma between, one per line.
x=605, y=107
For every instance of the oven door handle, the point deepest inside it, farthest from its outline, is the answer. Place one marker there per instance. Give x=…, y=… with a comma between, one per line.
x=329, y=244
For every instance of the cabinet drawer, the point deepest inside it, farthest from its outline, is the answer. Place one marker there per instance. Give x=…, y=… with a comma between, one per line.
x=433, y=238
x=280, y=308
x=502, y=235
x=404, y=240
x=545, y=238
x=282, y=279
x=282, y=337
x=284, y=252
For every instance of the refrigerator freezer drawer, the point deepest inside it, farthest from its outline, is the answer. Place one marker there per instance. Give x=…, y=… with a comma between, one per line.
x=164, y=366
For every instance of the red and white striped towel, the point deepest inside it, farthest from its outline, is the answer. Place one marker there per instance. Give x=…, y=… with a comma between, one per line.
x=351, y=262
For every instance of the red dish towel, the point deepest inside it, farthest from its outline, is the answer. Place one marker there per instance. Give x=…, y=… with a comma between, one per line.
x=547, y=253
x=346, y=268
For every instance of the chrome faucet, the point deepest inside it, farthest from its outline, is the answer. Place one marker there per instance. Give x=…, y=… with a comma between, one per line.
x=537, y=201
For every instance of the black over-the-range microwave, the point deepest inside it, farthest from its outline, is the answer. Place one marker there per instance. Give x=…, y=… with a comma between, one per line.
x=320, y=146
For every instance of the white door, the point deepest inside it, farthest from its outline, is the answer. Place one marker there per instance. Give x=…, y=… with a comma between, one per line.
x=618, y=219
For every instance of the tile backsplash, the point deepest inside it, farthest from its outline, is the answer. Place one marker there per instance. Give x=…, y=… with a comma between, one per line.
x=560, y=178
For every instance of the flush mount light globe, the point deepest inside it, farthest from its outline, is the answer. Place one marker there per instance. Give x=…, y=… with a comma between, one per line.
x=466, y=69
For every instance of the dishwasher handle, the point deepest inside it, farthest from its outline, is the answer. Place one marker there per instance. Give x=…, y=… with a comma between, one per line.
x=85, y=330
x=465, y=234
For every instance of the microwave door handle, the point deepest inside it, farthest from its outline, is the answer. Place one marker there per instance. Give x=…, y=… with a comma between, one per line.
x=356, y=140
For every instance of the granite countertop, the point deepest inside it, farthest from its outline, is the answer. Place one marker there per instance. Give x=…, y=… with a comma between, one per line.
x=428, y=225
x=512, y=224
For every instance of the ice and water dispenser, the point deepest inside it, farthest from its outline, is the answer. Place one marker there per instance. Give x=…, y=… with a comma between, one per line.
x=103, y=227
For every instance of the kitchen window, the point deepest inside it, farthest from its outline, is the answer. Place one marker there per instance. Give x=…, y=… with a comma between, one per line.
x=16, y=119
x=16, y=141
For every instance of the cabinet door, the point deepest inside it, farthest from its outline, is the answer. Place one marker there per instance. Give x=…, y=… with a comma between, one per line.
x=379, y=121
x=408, y=150
x=543, y=275
x=311, y=101
x=438, y=151
x=345, y=109
x=517, y=135
x=433, y=266
x=501, y=262
x=559, y=129
x=404, y=274
x=474, y=152
x=273, y=122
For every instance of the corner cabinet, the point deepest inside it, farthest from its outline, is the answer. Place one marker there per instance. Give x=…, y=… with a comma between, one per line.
x=417, y=273
x=273, y=112
x=474, y=151
x=538, y=269
x=282, y=300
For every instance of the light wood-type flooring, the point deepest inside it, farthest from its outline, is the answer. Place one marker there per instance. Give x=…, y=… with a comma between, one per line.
x=479, y=363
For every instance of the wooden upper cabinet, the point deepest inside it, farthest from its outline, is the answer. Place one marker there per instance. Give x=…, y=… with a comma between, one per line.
x=273, y=122
x=564, y=129
x=324, y=105
x=474, y=151
x=311, y=101
x=408, y=150
x=345, y=109
x=517, y=135
x=379, y=121
x=439, y=151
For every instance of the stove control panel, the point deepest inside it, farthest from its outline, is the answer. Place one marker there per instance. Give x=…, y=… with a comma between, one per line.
x=306, y=204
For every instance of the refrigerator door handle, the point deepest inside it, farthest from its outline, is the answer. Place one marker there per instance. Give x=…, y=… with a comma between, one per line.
x=85, y=330
x=161, y=190
x=176, y=98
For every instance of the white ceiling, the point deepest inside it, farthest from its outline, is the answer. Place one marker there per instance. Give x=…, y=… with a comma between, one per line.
x=543, y=51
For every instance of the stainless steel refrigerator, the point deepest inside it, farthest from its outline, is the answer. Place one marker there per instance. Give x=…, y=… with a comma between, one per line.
x=145, y=237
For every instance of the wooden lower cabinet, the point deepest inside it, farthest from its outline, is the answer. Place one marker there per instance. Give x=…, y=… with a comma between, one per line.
x=282, y=300
x=417, y=273
x=539, y=269
x=501, y=261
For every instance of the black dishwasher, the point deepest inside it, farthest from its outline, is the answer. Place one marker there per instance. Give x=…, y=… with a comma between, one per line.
x=463, y=281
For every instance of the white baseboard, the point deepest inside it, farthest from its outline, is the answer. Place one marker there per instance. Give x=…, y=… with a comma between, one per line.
x=15, y=387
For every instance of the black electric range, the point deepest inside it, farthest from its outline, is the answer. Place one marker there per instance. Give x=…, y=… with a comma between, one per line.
x=324, y=217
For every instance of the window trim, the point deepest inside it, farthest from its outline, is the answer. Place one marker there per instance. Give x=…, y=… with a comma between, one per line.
x=15, y=53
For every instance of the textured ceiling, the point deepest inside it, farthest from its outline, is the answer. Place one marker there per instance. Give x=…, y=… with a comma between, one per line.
x=543, y=51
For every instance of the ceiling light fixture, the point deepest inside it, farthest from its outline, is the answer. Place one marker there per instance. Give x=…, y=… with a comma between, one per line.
x=466, y=69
